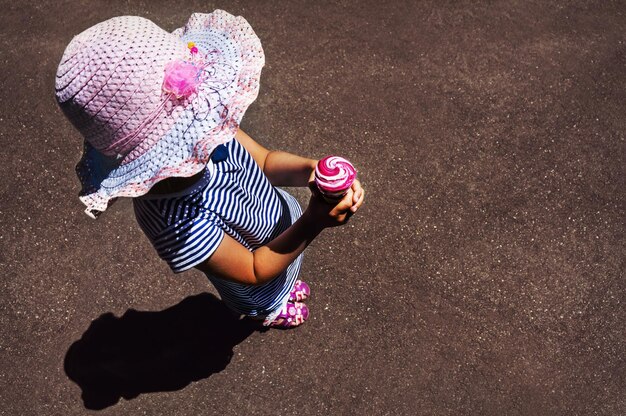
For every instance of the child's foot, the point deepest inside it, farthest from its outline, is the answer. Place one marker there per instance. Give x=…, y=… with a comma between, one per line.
x=291, y=316
x=300, y=292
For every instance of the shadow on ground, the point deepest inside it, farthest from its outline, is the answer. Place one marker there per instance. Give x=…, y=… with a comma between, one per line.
x=143, y=352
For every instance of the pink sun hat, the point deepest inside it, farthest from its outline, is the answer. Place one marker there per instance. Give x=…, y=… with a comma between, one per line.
x=152, y=104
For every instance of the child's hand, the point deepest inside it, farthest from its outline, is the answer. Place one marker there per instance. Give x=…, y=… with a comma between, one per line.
x=328, y=215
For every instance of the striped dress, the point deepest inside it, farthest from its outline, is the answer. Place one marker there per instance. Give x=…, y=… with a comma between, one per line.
x=233, y=197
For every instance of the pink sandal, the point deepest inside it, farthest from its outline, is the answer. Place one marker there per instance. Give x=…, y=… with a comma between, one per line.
x=290, y=316
x=300, y=291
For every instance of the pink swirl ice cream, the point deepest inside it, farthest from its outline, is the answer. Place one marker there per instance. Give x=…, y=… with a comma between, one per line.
x=334, y=176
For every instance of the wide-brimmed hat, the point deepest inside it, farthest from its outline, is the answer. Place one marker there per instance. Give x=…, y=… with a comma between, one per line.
x=153, y=104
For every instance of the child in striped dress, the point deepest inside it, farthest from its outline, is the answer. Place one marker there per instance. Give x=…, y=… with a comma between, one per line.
x=160, y=115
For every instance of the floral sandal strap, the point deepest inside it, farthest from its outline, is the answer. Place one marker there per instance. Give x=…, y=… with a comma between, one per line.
x=290, y=316
x=300, y=291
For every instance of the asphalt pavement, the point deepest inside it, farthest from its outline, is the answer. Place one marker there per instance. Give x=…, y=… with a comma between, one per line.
x=483, y=276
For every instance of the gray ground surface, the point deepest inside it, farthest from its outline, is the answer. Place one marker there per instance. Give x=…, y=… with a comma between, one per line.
x=484, y=275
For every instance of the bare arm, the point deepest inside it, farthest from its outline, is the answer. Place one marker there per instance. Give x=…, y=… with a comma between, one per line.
x=281, y=168
x=232, y=261
x=286, y=169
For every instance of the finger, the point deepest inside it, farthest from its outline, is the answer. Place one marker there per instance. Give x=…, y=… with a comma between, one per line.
x=346, y=202
x=359, y=202
x=356, y=187
x=357, y=195
x=312, y=176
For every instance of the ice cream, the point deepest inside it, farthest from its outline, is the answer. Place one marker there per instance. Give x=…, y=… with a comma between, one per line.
x=334, y=176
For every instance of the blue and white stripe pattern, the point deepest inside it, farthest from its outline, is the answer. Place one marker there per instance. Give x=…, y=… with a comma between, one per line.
x=233, y=197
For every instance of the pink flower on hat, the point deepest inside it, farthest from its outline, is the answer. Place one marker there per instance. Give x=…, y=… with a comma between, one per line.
x=181, y=78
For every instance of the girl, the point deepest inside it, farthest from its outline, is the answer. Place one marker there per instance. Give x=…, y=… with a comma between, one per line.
x=160, y=115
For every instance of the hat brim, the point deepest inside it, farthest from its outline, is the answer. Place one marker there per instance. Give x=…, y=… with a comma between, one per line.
x=210, y=118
